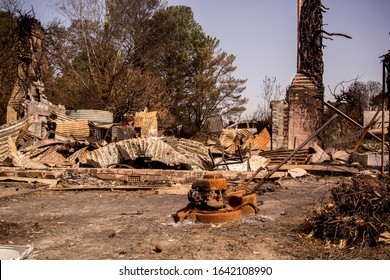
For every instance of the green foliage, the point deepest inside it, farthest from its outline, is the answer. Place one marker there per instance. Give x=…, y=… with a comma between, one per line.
x=197, y=74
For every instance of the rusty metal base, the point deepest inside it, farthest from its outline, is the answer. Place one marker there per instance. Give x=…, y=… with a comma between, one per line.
x=224, y=215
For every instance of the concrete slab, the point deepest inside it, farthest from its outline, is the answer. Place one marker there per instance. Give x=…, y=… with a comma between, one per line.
x=369, y=159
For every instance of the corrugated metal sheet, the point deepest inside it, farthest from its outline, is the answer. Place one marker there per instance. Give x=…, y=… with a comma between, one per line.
x=157, y=149
x=147, y=122
x=227, y=137
x=78, y=129
x=62, y=117
x=21, y=161
x=231, y=138
x=141, y=116
x=261, y=142
x=51, y=157
x=47, y=152
x=10, y=130
x=78, y=156
x=195, y=151
x=92, y=115
x=131, y=149
x=244, y=134
x=103, y=157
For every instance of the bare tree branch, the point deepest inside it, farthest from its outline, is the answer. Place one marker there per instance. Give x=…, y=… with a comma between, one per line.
x=335, y=34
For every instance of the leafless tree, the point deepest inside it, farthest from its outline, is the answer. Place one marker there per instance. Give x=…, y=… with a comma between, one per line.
x=270, y=90
x=95, y=57
x=12, y=6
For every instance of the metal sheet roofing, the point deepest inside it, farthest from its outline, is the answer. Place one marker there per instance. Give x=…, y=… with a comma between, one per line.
x=98, y=116
x=260, y=142
x=147, y=122
x=78, y=129
x=10, y=130
x=131, y=149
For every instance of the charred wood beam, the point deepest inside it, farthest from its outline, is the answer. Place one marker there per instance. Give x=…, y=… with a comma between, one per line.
x=386, y=80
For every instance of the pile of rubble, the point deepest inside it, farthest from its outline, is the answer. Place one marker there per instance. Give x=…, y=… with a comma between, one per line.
x=357, y=214
x=61, y=140
x=71, y=145
x=89, y=138
x=137, y=152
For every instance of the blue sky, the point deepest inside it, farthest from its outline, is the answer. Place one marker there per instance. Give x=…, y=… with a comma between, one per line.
x=262, y=34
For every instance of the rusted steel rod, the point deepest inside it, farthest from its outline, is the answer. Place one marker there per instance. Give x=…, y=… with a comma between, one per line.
x=349, y=119
x=372, y=122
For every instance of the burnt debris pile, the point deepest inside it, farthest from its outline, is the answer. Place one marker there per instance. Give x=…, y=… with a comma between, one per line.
x=356, y=214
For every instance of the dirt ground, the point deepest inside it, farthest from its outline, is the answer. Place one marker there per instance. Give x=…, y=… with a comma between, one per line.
x=71, y=225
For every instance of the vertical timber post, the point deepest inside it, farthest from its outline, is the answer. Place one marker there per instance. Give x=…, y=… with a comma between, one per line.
x=383, y=117
x=386, y=92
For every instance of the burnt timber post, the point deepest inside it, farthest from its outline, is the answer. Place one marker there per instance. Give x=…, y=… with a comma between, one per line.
x=385, y=95
x=305, y=96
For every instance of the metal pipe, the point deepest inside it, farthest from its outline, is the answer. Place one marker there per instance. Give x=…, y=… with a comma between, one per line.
x=368, y=126
x=349, y=119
